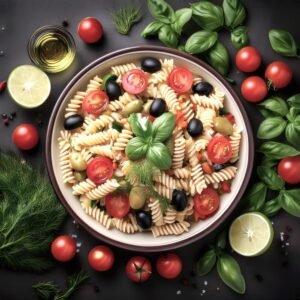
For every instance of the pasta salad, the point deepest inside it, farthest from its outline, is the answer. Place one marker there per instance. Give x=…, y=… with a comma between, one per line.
x=149, y=147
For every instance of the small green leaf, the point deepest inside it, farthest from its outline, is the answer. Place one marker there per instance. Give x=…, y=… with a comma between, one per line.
x=294, y=101
x=163, y=127
x=230, y=272
x=160, y=156
x=200, y=41
x=282, y=42
x=206, y=262
x=292, y=133
x=239, y=37
x=218, y=58
x=136, y=148
x=268, y=162
x=152, y=29
x=277, y=150
x=275, y=104
x=271, y=207
x=255, y=197
x=267, y=113
x=234, y=12
x=182, y=17
x=168, y=36
x=271, y=127
x=140, y=126
x=293, y=113
x=208, y=15
x=290, y=201
x=161, y=11
x=270, y=178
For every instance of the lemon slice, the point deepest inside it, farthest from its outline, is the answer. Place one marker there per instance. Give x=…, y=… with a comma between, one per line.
x=28, y=86
x=251, y=234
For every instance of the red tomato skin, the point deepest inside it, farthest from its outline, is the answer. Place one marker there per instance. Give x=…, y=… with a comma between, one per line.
x=63, y=248
x=230, y=118
x=202, y=211
x=254, y=89
x=25, y=136
x=188, y=81
x=169, y=265
x=128, y=81
x=90, y=30
x=101, y=258
x=279, y=74
x=214, y=142
x=98, y=161
x=88, y=107
x=117, y=206
x=248, y=59
x=289, y=169
x=225, y=187
x=138, y=262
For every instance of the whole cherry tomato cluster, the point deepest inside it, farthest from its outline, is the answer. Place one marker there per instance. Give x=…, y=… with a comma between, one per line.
x=101, y=258
x=254, y=89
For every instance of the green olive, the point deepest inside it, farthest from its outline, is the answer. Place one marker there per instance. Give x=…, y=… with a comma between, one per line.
x=77, y=162
x=170, y=145
x=132, y=107
x=147, y=106
x=223, y=126
x=137, y=197
x=79, y=176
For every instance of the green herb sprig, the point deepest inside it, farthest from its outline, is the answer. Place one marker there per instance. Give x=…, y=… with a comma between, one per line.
x=30, y=214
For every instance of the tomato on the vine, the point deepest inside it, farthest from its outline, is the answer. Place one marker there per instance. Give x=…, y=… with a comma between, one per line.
x=219, y=150
x=95, y=102
x=169, y=265
x=180, y=80
x=289, y=169
x=101, y=258
x=25, y=136
x=138, y=269
x=248, y=59
x=134, y=81
x=63, y=248
x=99, y=169
x=90, y=30
x=254, y=89
x=117, y=205
x=279, y=74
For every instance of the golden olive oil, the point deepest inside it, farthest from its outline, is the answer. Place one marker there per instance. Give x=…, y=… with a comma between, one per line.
x=52, y=48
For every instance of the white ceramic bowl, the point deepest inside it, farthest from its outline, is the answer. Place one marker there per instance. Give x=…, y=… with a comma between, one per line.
x=145, y=241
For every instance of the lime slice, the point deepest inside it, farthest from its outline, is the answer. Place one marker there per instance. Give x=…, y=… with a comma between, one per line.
x=28, y=86
x=251, y=234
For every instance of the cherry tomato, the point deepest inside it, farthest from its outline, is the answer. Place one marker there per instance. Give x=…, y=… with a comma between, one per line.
x=279, y=74
x=169, y=265
x=117, y=205
x=90, y=30
x=248, y=59
x=138, y=269
x=219, y=150
x=101, y=258
x=63, y=248
x=99, y=169
x=254, y=89
x=134, y=81
x=206, y=203
x=289, y=169
x=95, y=102
x=25, y=136
x=180, y=80
x=225, y=187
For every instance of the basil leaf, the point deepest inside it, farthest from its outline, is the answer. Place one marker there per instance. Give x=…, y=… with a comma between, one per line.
x=161, y=11
x=160, y=156
x=271, y=207
x=293, y=113
x=200, y=41
x=290, y=201
x=275, y=104
x=182, y=17
x=136, y=148
x=277, y=150
x=282, y=42
x=230, y=272
x=266, y=113
x=181, y=48
x=234, y=12
x=271, y=127
x=218, y=58
x=268, y=162
x=152, y=29
x=256, y=197
x=294, y=101
x=206, y=262
x=208, y=15
x=292, y=134
x=222, y=240
x=163, y=127
x=168, y=36
x=270, y=178
x=140, y=126
x=239, y=37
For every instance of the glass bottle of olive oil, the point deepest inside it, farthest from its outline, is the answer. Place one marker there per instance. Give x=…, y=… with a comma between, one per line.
x=52, y=48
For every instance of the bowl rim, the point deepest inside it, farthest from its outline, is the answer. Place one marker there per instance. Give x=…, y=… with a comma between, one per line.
x=91, y=230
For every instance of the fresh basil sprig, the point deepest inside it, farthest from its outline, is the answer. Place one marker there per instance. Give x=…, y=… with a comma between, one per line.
x=161, y=11
x=239, y=37
x=255, y=197
x=277, y=150
x=234, y=12
x=201, y=41
x=275, y=105
x=182, y=16
x=206, y=262
x=290, y=201
x=270, y=178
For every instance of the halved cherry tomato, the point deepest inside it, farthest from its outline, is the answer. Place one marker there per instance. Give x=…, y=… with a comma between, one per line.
x=225, y=187
x=207, y=168
x=95, y=102
x=230, y=118
x=219, y=150
x=180, y=80
x=206, y=203
x=134, y=81
x=99, y=169
x=117, y=205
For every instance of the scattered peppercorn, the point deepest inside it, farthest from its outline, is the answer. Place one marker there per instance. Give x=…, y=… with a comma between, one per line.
x=65, y=23
x=14, y=114
x=6, y=122
x=259, y=277
x=2, y=85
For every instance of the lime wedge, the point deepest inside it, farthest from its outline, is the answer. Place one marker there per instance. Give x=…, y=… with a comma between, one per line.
x=28, y=86
x=251, y=234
